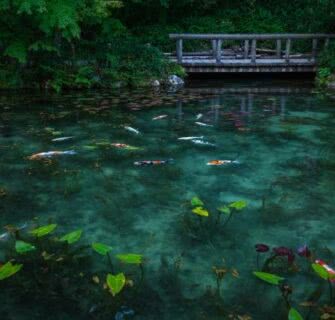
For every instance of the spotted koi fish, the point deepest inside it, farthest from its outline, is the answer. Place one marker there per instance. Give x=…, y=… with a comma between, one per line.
x=152, y=162
x=221, y=162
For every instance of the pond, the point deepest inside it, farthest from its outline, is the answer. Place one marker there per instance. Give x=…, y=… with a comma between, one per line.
x=275, y=189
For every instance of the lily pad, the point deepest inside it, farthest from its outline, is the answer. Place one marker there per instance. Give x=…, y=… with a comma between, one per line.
x=200, y=212
x=101, y=248
x=115, y=283
x=44, y=230
x=238, y=205
x=224, y=209
x=23, y=247
x=196, y=202
x=293, y=314
x=9, y=269
x=72, y=237
x=268, y=277
x=130, y=258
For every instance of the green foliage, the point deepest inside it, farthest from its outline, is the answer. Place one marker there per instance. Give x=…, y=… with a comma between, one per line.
x=196, y=202
x=23, y=247
x=322, y=272
x=44, y=230
x=293, y=314
x=116, y=283
x=200, y=212
x=130, y=258
x=268, y=277
x=72, y=237
x=238, y=205
x=101, y=248
x=9, y=269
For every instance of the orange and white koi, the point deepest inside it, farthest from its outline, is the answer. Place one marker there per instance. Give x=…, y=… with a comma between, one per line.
x=221, y=162
x=152, y=162
x=160, y=117
x=50, y=154
x=330, y=270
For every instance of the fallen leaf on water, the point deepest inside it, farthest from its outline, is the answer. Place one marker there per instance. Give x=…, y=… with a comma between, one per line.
x=235, y=273
x=96, y=279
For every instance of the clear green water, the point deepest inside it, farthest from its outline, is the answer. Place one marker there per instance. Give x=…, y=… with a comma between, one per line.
x=283, y=139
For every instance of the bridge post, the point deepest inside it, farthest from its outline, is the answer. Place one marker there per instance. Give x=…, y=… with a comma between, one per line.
x=314, y=48
x=278, y=48
x=180, y=50
x=214, y=47
x=218, y=50
x=246, y=49
x=287, y=51
x=253, y=50
x=326, y=43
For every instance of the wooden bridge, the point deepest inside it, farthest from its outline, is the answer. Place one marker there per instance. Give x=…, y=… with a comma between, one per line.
x=239, y=53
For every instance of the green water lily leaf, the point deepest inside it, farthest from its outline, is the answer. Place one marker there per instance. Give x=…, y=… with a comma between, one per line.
x=268, y=277
x=196, y=202
x=293, y=314
x=115, y=283
x=320, y=271
x=200, y=212
x=23, y=247
x=72, y=237
x=130, y=258
x=224, y=209
x=101, y=248
x=238, y=205
x=9, y=269
x=44, y=230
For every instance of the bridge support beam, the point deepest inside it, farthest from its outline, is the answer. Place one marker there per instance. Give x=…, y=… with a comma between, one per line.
x=253, y=50
x=218, y=50
x=278, y=48
x=180, y=50
x=246, y=49
x=288, y=50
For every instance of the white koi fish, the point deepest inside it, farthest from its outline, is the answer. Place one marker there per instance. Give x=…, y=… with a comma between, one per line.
x=222, y=162
x=133, y=130
x=190, y=138
x=199, y=116
x=50, y=154
x=160, y=117
x=203, y=143
x=61, y=139
x=203, y=124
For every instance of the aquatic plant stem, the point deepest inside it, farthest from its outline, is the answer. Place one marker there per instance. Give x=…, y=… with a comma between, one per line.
x=257, y=260
x=330, y=292
x=110, y=262
x=228, y=219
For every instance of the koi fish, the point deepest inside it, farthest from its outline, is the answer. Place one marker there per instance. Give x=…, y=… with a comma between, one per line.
x=222, y=162
x=160, y=117
x=330, y=270
x=50, y=154
x=190, y=138
x=133, y=130
x=203, y=143
x=61, y=139
x=203, y=124
x=11, y=230
x=124, y=146
x=199, y=116
x=152, y=162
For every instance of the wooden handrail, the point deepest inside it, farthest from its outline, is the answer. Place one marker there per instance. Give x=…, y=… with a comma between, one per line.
x=250, y=36
x=217, y=41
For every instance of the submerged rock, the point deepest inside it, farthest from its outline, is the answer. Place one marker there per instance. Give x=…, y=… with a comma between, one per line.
x=174, y=80
x=155, y=83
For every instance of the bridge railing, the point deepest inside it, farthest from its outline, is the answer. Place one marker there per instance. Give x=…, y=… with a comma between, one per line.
x=250, y=43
